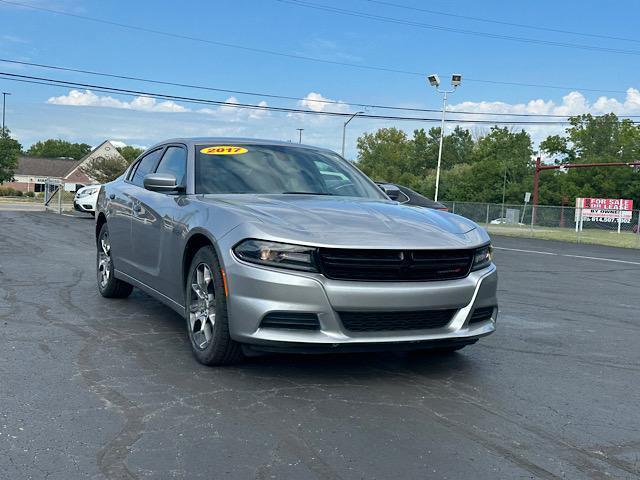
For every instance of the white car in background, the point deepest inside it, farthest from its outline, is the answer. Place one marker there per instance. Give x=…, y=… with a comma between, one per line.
x=86, y=198
x=506, y=221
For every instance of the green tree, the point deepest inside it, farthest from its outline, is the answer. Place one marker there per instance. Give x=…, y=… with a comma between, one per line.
x=130, y=153
x=471, y=170
x=56, y=148
x=105, y=169
x=591, y=139
x=457, y=147
x=9, y=151
x=385, y=154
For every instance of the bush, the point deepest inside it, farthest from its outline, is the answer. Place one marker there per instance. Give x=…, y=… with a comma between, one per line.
x=29, y=194
x=8, y=192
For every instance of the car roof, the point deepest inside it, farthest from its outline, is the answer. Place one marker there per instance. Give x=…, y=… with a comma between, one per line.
x=192, y=141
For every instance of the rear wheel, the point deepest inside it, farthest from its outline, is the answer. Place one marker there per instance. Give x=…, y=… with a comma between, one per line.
x=207, y=319
x=108, y=285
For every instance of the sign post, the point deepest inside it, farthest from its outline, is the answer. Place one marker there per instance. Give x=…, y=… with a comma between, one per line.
x=527, y=198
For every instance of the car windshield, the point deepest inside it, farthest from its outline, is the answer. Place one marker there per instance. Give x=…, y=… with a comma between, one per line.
x=274, y=169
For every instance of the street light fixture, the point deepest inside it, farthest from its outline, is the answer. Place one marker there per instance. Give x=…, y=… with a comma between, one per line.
x=434, y=81
x=344, y=129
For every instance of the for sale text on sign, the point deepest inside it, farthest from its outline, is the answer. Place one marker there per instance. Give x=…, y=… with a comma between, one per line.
x=604, y=203
x=604, y=210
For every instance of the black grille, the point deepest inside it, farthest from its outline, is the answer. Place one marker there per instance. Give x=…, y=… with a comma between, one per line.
x=481, y=314
x=381, y=321
x=291, y=320
x=394, y=265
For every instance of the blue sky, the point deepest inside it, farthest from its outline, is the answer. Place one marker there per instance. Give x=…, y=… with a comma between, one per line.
x=36, y=111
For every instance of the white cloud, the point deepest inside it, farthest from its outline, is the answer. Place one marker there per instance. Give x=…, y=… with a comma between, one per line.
x=574, y=103
x=87, y=98
x=132, y=120
x=236, y=114
x=316, y=102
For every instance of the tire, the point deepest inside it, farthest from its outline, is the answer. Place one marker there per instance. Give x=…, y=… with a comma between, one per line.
x=206, y=312
x=108, y=285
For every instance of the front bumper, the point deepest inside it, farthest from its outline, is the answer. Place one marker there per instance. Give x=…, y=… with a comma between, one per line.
x=255, y=291
x=82, y=206
x=86, y=203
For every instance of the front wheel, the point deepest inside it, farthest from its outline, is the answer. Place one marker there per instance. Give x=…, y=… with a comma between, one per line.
x=108, y=285
x=206, y=308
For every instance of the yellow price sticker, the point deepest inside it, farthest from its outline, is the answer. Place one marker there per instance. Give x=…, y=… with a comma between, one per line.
x=224, y=150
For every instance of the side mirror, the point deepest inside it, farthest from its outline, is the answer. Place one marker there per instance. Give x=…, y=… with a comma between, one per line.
x=390, y=190
x=161, y=182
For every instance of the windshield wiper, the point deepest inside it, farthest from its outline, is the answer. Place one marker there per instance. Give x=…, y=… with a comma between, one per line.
x=305, y=193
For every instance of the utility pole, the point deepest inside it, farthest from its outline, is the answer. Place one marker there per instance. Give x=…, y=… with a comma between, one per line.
x=344, y=129
x=300, y=130
x=4, y=102
x=504, y=189
x=504, y=180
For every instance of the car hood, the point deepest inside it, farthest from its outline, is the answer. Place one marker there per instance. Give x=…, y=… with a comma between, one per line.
x=349, y=222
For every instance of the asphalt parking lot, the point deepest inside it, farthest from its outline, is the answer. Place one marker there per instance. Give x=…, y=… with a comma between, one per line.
x=96, y=388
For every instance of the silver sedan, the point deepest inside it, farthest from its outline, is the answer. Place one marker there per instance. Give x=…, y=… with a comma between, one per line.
x=269, y=246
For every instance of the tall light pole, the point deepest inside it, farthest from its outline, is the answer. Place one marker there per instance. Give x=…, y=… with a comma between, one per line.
x=4, y=102
x=300, y=130
x=344, y=129
x=434, y=81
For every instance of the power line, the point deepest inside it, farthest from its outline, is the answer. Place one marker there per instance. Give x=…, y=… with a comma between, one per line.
x=293, y=56
x=210, y=42
x=502, y=22
x=497, y=36
x=282, y=97
x=196, y=100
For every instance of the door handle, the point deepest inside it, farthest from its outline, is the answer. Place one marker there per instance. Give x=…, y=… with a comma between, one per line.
x=112, y=196
x=137, y=208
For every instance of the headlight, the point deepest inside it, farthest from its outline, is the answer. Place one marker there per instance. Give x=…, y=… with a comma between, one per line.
x=482, y=257
x=88, y=191
x=274, y=254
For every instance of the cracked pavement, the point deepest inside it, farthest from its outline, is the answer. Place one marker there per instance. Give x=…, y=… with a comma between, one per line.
x=108, y=389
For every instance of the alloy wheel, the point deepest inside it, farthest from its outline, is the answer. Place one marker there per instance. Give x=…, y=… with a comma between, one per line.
x=105, y=266
x=202, y=311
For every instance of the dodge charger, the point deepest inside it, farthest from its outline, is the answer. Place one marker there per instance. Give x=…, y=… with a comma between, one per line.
x=273, y=246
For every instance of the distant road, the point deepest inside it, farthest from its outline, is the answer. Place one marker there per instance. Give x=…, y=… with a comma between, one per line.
x=21, y=206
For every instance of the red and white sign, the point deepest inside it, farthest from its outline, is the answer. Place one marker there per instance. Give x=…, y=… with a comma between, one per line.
x=604, y=210
x=604, y=204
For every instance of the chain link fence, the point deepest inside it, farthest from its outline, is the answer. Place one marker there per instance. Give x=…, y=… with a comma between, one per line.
x=552, y=223
x=55, y=197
